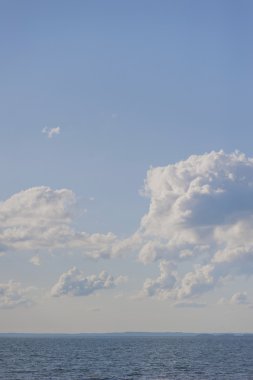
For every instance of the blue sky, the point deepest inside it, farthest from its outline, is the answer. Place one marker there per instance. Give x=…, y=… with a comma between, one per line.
x=130, y=85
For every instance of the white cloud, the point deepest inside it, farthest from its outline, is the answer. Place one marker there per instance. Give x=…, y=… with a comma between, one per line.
x=198, y=226
x=35, y=260
x=201, y=211
x=41, y=218
x=164, y=284
x=239, y=298
x=51, y=132
x=36, y=218
x=75, y=283
x=170, y=285
x=191, y=198
x=195, y=283
x=13, y=295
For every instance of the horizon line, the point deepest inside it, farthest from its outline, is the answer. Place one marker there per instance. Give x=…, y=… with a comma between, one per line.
x=131, y=333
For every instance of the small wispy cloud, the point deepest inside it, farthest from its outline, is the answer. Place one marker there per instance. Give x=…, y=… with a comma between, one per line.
x=239, y=298
x=35, y=260
x=51, y=132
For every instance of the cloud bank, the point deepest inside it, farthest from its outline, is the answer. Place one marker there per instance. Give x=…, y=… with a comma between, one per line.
x=198, y=227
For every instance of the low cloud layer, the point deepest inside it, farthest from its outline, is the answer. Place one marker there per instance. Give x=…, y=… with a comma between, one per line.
x=198, y=227
x=201, y=213
x=75, y=283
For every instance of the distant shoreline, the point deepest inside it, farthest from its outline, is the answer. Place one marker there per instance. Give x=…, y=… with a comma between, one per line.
x=123, y=334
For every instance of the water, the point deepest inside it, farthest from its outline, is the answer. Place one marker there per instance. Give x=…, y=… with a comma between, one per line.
x=116, y=358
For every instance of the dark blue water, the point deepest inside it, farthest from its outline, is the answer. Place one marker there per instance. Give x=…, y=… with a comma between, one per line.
x=59, y=357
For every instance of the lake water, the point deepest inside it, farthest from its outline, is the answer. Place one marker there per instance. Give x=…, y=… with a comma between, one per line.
x=116, y=357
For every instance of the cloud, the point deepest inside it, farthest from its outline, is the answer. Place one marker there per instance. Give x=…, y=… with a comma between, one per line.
x=75, y=283
x=200, y=213
x=51, y=132
x=239, y=298
x=198, y=227
x=13, y=295
x=35, y=260
x=192, y=198
x=170, y=285
x=163, y=285
x=195, y=283
x=38, y=217
x=41, y=218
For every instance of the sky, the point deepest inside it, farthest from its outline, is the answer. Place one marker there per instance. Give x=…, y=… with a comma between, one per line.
x=126, y=199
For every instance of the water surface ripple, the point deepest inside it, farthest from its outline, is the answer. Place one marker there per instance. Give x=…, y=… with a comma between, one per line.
x=118, y=358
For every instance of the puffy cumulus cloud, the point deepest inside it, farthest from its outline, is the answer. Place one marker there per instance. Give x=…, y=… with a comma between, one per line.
x=193, y=200
x=13, y=295
x=201, y=211
x=75, y=283
x=41, y=218
x=163, y=285
x=38, y=217
x=199, y=281
x=51, y=132
x=171, y=285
